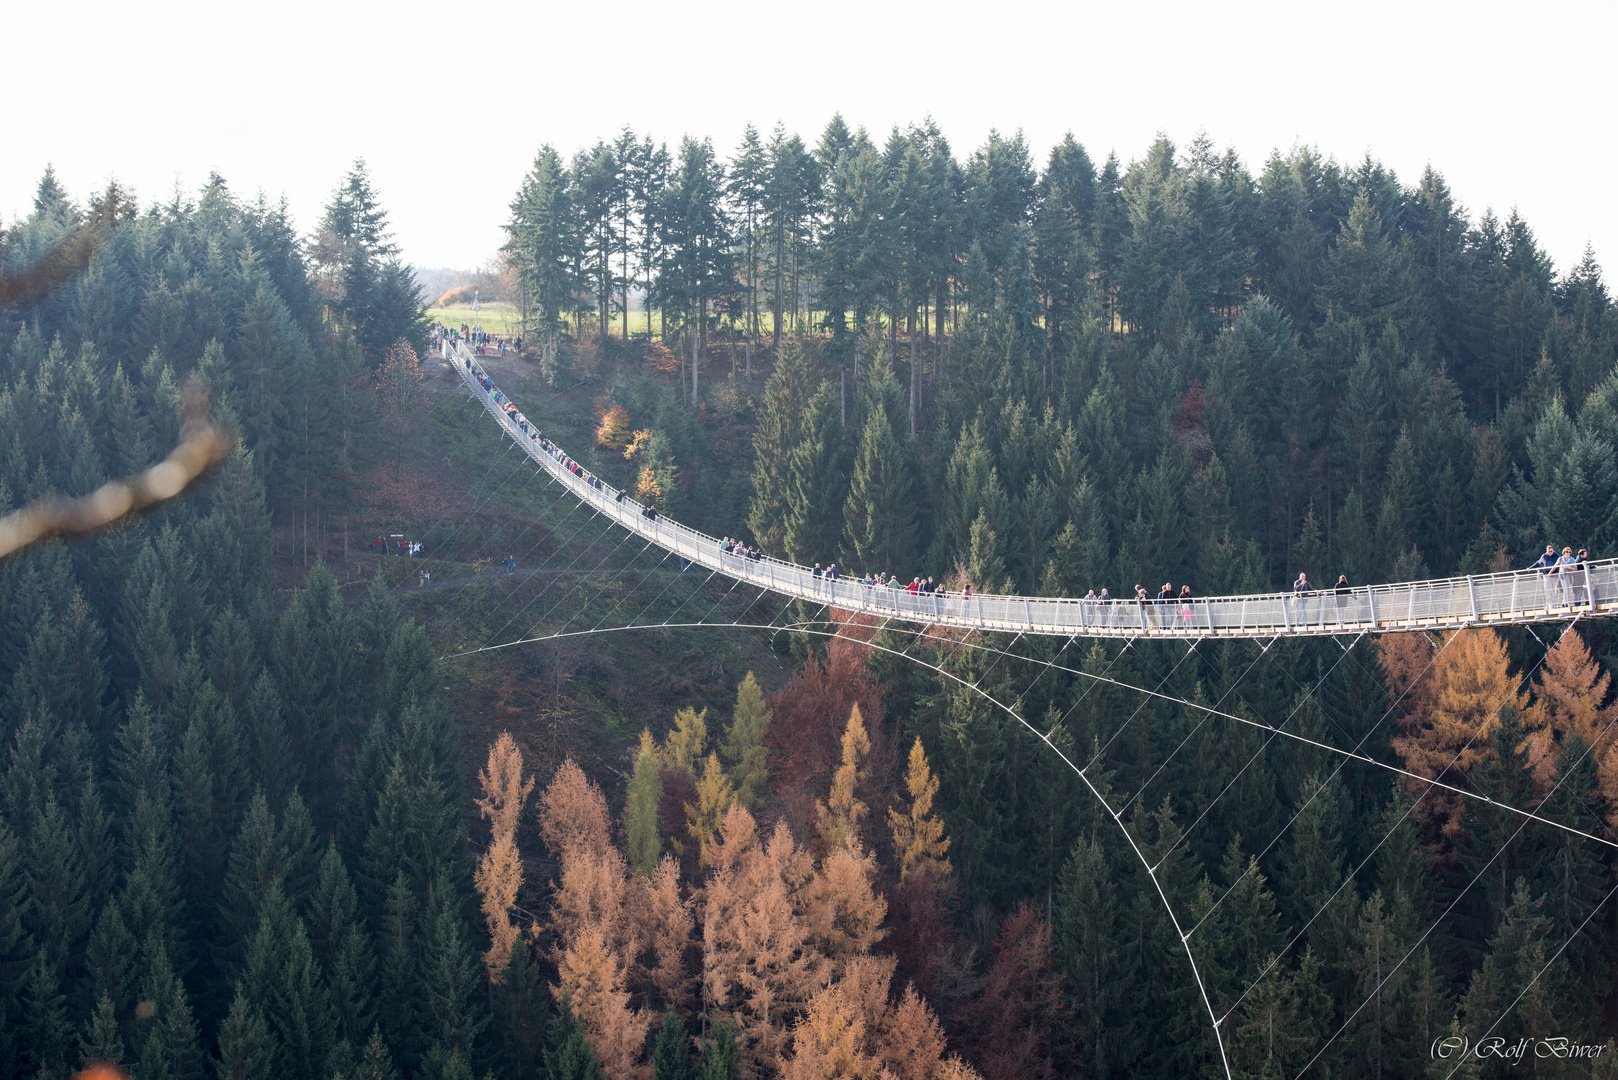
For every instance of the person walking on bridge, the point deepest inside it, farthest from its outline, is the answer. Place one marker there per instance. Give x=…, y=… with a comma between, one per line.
x=1300, y=593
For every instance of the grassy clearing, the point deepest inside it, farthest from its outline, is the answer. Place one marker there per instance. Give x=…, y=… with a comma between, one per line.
x=496, y=317
x=500, y=317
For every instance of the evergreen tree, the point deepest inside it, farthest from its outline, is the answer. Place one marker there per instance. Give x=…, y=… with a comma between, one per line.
x=246, y=1050
x=102, y=1041
x=880, y=512
x=451, y=1015
x=520, y=1014
x=670, y=1052
x=721, y=1060
x=567, y=1054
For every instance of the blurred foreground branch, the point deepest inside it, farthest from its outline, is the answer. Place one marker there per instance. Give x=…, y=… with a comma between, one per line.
x=202, y=446
x=25, y=288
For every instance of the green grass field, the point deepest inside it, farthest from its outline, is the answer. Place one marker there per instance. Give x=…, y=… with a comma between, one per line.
x=500, y=317
x=496, y=317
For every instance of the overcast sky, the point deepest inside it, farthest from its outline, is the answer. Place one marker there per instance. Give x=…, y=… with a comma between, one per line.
x=449, y=102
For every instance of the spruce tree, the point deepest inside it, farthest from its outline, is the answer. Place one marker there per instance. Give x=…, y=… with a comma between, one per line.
x=815, y=483
x=43, y=1029
x=568, y=1055
x=375, y=1063
x=721, y=1060
x=246, y=1050
x=102, y=1041
x=400, y=991
x=671, y=1055
x=450, y=1014
x=343, y=948
x=880, y=511
x=520, y=1014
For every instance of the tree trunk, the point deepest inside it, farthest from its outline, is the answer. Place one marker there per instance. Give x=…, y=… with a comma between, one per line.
x=780, y=280
x=915, y=367
x=696, y=346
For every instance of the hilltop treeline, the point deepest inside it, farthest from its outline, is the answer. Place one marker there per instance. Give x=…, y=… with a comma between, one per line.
x=1211, y=375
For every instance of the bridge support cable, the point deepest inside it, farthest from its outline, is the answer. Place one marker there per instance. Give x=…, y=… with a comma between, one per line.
x=1217, y=1020
x=1529, y=985
x=1458, y=896
x=522, y=461
x=1032, y=729
x=1157, y=693
x=1305, y=740
x=1430, y=786
x=465, y=492
x=539, y=574
x=1450, y=603
x=1263, y=747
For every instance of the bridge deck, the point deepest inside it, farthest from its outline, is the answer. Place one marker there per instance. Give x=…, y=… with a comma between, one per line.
x=1516, y=597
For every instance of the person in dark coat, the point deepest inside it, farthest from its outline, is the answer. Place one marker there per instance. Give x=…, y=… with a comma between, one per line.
x=1546, y=565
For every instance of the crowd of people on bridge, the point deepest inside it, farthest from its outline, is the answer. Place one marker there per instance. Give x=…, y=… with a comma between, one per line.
x=1563, y=574
x=478, y=339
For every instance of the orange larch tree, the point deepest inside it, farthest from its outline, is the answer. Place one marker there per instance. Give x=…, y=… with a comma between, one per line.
x=1571, y=696
x=499, y=876
x=1449, y=716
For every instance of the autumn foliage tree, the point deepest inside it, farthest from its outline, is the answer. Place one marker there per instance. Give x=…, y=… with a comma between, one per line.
x=1451, y=702
x=838, y=818
x=499, y=873
x=919, y=842
x=1571, y=697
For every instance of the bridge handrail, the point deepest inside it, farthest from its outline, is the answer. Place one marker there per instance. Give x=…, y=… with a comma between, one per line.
x=1510, y=596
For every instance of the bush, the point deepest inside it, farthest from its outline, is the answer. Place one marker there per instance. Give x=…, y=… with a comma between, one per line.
x=461, y=294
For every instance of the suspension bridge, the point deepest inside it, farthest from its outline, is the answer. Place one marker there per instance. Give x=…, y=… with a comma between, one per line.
x=1513, y=598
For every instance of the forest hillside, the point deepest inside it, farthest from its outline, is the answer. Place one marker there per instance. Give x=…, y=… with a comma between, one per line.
x=265, y=811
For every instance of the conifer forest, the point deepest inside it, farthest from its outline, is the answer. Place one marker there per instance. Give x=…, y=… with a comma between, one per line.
x=274, y=805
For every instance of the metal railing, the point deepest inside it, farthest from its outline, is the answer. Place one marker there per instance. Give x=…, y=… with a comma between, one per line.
x=1523, y=596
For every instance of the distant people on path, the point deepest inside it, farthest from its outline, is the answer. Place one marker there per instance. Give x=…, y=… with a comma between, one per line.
x=511, y=564
x=1300, y=594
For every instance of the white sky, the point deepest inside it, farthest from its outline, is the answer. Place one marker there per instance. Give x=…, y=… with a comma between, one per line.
x=448, y=102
